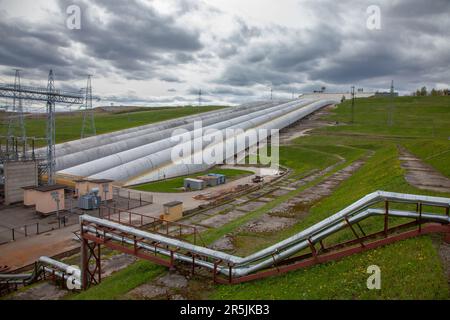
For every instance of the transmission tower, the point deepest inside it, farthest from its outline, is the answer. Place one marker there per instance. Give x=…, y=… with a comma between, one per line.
x=51, y=136
x=51, y=97
x=16, y=118
x=391, y=106
x=88, y=127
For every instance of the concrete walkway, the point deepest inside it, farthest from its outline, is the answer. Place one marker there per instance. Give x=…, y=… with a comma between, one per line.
x=26, y=251
x=422, y=175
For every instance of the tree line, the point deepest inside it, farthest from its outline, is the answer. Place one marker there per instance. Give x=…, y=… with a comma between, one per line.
x=434, y=92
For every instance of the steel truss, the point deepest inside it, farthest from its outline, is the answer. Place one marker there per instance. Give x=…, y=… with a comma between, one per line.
x=168, y=252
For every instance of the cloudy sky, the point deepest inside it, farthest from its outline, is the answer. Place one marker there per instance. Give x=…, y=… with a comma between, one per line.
x=162, y=52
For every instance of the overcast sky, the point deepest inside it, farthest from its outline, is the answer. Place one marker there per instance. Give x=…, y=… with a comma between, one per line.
x=162, y=52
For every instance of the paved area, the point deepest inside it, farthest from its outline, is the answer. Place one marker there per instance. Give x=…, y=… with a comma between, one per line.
x=26, y=251
x=422, y=175
x=166, y=287
x=191, y=200
x=42, y=291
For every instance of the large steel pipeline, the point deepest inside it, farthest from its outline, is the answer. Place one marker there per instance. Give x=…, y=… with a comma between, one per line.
x=352, y=214
x=44, y=264
x=115, y=159
x=92, y=142
x=231, y=146
x=161, y=162
x=113, y=143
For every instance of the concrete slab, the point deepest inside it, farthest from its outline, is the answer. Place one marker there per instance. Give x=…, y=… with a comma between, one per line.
x=172, y=280
x=147, y=292
x=251, y=206
x=268, y=223
x=222, y=219
x=41, y=291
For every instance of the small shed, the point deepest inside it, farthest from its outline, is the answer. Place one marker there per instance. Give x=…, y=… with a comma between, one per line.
x=220, y=178
x=210, y=181
x=29, y=198
x=194, y=184
x=48, y=199
x=173, y=211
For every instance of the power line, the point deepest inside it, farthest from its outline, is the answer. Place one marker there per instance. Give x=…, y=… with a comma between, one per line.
x=391, y=106
x=353, y=104
x=51, y=130
x=88, y=126
x=16, y=118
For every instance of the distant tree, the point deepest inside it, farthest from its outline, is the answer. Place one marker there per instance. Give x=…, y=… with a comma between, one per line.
x=445, y=92
x=418, y=93
x=434, y=92
x=343, y=98
x=423, y=91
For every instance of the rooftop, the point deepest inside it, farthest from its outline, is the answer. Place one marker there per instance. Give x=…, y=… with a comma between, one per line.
x=50, y=188
x=173, y=204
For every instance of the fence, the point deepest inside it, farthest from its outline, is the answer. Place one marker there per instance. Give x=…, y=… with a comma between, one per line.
x=137, y=220
x=130, y=199
x=9, y=234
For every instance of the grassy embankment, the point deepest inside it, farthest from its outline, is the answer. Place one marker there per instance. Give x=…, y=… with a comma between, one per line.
x=410, y=269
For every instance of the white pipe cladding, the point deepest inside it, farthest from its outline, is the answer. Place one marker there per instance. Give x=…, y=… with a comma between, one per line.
x=160, y=162
x=230, y=147
x=88, y=168
x=157, y=160
x=78, y=152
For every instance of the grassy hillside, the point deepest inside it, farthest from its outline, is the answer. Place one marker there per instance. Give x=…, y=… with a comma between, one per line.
x=423, y=126
x=68, y=126
x=410, y=269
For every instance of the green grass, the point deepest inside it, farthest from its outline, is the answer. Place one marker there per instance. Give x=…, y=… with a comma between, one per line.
x=116, y=286
x=302, y=159
x=174, y=184
x=413, y=117
x=410, y=269
x=413, y=259
x=415, y=274
x=68, y=127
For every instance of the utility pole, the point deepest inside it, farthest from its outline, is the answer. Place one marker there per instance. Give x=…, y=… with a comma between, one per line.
x=16, y=119
x=200, y=97
x=50, y=96
x=353, y=104
x=88, y=127
x=391, y=106
x=271, y=93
